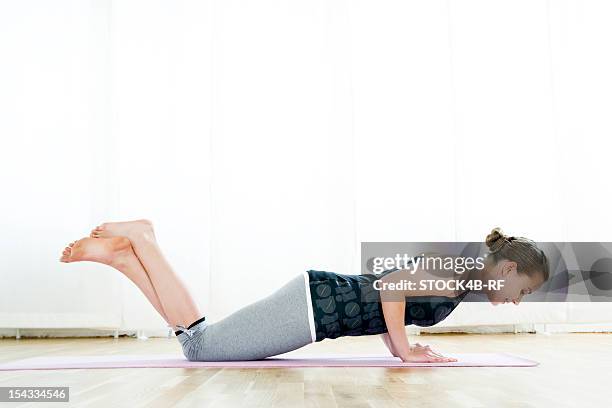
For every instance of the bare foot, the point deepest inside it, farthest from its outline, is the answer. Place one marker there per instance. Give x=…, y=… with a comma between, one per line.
x=109, y=251
x=122, y=229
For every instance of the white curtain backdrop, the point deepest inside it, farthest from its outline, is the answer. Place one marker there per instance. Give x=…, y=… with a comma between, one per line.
x=266, y=138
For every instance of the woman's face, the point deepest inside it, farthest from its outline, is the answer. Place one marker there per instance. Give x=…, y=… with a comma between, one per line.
x=515, y=285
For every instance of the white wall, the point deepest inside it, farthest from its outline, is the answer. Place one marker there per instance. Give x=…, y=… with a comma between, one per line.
x=54, y=115
x=272, y=137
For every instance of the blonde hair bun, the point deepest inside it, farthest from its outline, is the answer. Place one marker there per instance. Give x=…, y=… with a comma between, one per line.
x=496, y=239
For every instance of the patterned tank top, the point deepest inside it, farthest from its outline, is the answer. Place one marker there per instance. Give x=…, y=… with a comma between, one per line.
x=348, y=305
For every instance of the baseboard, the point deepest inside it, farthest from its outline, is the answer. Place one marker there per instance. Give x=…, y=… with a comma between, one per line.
x=546, y=328
x=574, y=328
x=506, y=328
x=76, y=332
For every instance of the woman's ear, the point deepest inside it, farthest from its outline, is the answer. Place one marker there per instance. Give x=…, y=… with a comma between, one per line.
x=507, y=267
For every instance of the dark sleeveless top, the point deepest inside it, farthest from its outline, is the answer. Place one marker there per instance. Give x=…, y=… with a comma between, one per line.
x=348, y=305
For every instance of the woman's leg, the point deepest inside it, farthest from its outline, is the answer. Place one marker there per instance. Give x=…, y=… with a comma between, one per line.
x=274, y=325
x=118, y=253
x=174, y=296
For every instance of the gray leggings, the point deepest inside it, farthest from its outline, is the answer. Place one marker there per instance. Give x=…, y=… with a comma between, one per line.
x=274, y=325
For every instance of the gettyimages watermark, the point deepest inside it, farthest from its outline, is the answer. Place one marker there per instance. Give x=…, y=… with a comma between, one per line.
x=433, y=280
x=578, y=272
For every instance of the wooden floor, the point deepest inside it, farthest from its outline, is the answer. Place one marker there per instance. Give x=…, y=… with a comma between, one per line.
x=574, y=371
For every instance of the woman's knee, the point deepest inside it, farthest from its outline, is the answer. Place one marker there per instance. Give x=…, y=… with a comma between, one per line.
x=190, y=352
x=192, y=340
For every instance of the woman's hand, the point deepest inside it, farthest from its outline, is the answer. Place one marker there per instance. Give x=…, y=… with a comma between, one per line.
x=424, y=354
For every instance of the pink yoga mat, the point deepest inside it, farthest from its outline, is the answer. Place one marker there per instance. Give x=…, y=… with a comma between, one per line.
x=178, y=361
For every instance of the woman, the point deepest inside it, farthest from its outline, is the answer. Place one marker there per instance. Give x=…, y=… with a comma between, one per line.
x=311, y=307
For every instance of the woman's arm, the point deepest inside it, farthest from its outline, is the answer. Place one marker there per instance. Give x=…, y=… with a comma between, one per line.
x=394, y=307
x=394, y=319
